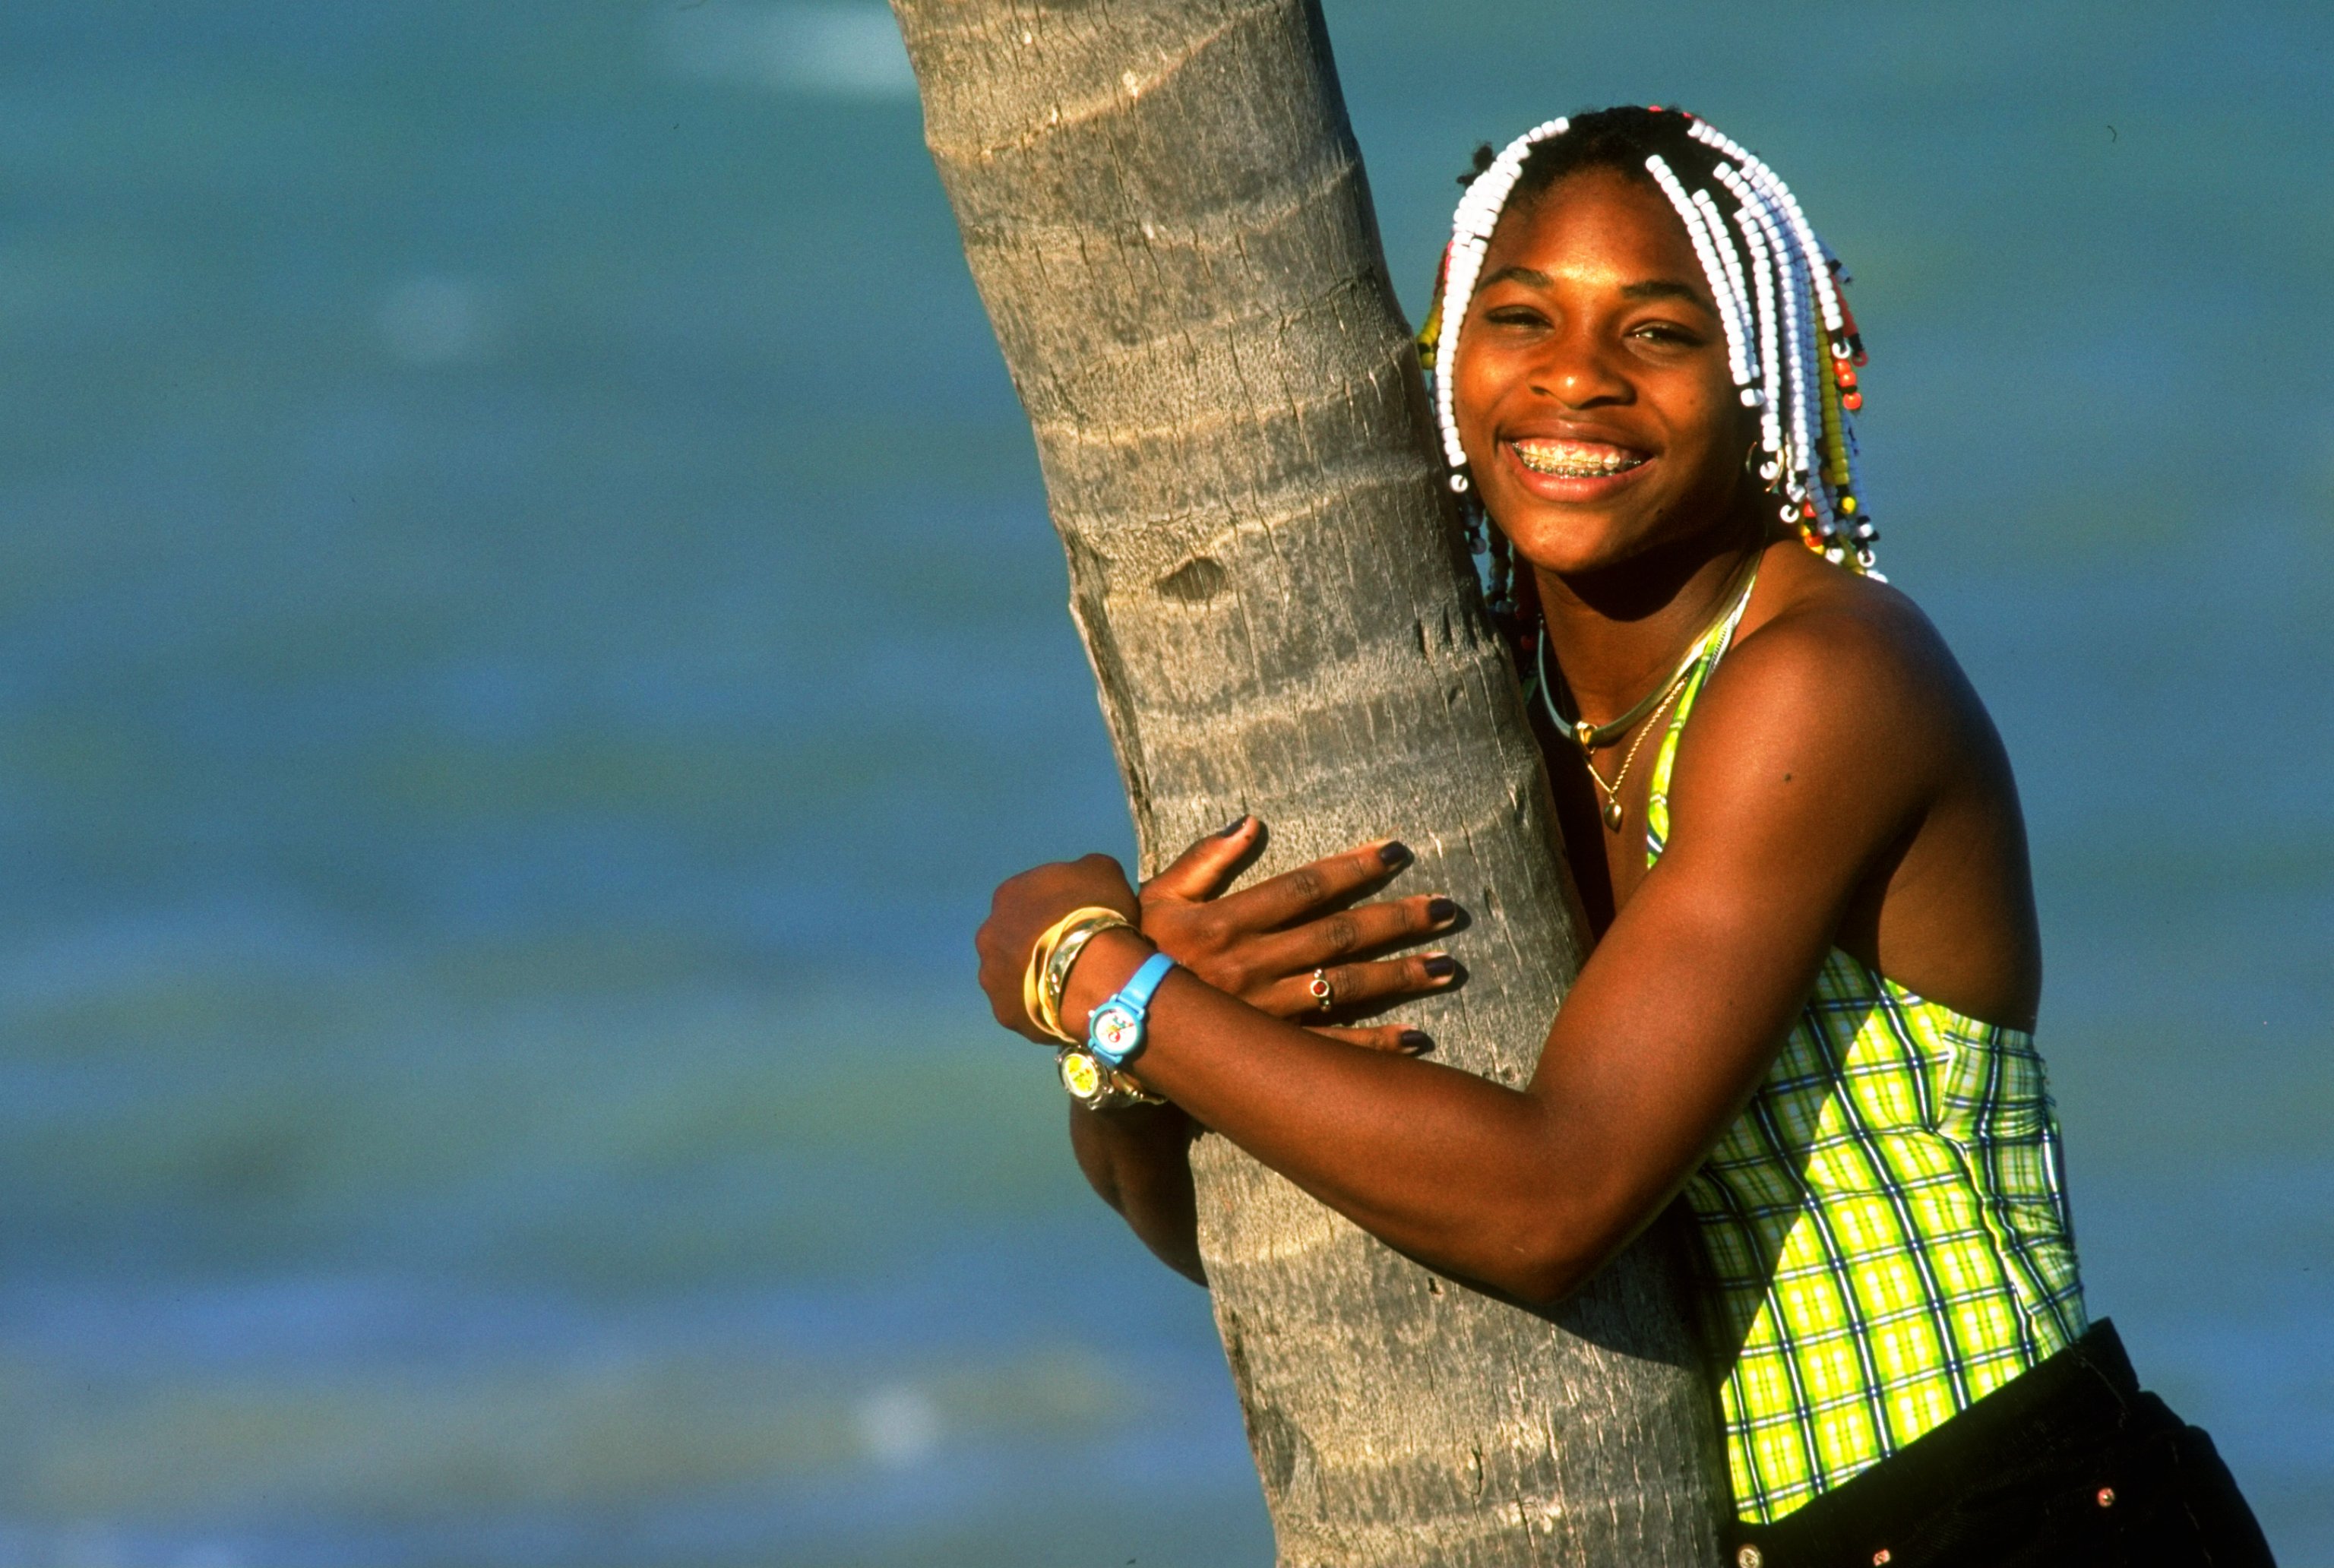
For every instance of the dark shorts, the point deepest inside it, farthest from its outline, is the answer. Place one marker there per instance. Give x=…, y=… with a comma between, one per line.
x=2067, y=1463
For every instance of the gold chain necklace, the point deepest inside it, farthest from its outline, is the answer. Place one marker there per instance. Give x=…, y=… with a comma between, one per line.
x=1613, y=791
x=1591, y=737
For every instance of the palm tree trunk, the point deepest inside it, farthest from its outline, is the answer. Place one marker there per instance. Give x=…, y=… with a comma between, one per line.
x=1165, y=212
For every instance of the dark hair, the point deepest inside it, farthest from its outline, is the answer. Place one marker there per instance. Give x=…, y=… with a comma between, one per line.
x=1619, y=139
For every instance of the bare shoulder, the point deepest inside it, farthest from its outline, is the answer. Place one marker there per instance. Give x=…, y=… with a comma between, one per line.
x=1840, y=681
x=1841, y=766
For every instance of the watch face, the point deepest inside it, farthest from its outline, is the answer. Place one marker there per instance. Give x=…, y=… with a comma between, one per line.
x=1081, y=1075
x=1116, y=1031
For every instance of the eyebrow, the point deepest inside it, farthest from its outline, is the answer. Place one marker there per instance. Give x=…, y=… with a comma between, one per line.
x=1663, y=289
x=1651, y=289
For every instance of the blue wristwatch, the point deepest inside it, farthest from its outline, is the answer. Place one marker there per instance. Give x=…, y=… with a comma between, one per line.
x=1114, y=1030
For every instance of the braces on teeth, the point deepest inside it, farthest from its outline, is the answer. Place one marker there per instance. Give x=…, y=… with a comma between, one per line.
x=1576, y=463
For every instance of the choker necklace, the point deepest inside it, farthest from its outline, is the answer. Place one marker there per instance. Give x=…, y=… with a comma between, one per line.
x=1591, y=737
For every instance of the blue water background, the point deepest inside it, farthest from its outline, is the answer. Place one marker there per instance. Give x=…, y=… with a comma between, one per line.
x=528, y=628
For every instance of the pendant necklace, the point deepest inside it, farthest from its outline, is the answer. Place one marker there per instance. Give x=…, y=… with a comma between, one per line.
x=1593, y=738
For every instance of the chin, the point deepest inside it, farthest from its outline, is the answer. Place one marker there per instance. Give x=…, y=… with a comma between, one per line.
x=1574, y=545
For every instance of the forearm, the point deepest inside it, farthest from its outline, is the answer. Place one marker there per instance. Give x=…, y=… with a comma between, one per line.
x=1463, y=1173
x=1138, y=1160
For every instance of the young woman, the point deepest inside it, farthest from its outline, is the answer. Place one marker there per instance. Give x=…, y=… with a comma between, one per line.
x=1799, y=842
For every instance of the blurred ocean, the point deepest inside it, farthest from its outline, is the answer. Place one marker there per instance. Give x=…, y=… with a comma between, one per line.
x=528, y=628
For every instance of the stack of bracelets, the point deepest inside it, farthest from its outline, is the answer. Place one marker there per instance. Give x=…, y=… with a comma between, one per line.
x=1091, y=1082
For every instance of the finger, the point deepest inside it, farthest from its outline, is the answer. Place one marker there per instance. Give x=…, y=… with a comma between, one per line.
x=1394, y=1039
x=1363, y=928
x=1353, y=985
x=1202, y=870
x=1293, y=895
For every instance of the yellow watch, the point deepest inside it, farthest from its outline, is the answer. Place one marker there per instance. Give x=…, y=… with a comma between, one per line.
x=1098, y=1085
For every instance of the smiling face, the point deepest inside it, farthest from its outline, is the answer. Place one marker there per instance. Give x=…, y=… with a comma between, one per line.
x=1591, y=389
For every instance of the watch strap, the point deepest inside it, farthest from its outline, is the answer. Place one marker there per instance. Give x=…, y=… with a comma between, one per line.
x=1117, y=1029
x=1143, y=983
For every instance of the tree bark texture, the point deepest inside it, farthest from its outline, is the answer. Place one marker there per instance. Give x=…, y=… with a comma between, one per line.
x=1164, y=210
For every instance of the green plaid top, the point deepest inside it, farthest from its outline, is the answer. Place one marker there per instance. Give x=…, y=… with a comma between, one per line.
x=1885, y=1231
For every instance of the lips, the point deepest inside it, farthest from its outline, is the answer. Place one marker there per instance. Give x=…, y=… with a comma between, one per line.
x=1575, y=459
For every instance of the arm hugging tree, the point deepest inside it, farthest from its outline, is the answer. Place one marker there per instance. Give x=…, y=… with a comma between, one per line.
x=1165, y=212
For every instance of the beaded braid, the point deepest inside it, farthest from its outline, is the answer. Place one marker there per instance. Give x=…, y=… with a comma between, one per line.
x=1792, y=347
x=1722, y=242
x=1463, y=262
x=1471, y=236
x=1807, y=505
x=1713, y=270
x=1770, y=388
x=1830, y=504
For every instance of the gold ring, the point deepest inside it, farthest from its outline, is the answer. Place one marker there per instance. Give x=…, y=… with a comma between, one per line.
x=1323, y=992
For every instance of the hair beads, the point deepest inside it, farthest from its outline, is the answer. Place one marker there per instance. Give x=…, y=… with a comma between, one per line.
x=1771, y=391
x=1731, y=311
x=1470, y=237
x=1722, y=243
x=1792, y=347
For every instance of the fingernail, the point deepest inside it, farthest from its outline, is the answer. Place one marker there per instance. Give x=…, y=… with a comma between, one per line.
x=1441, y=911
x=1417, y=1041
x=1393, y=852
x=1236, y=823
x=1441, y=966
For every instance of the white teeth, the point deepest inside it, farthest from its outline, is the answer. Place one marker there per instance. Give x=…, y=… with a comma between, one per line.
x=1574, y=460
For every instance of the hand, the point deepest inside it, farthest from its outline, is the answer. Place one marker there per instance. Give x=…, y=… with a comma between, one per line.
x=1020, y=912
x=1263, y=944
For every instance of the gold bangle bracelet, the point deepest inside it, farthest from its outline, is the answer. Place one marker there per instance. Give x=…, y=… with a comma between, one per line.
x=1041, y=955
x=1039, y=952
x=1056, y=977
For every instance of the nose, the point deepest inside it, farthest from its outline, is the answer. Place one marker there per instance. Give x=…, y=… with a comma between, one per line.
x=1579, y=373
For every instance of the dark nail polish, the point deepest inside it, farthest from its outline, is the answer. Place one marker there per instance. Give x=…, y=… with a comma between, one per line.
x=1394, y=852
x=1441, y=911
x=1441, y=966
x=1236, y=823
x=1417, y=1041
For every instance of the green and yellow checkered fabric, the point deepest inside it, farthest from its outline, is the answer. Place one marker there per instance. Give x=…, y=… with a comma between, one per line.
x=1885, y=1231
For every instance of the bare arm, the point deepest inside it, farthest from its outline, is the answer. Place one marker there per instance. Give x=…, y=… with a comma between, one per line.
x=1815, y=753
x=1138, y=1160
x=1261, y=946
